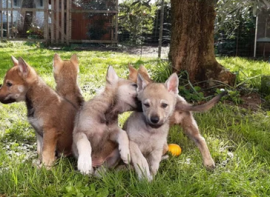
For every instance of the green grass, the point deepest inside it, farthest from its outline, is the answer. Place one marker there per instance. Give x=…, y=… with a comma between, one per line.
x=238, y=139
x=248, y=71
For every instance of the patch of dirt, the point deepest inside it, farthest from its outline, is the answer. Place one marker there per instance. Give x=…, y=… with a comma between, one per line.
x=148, y=51
x=252, y=101
x=144, y=51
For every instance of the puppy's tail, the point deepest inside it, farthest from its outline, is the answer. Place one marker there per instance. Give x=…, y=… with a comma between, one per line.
x=200, y=108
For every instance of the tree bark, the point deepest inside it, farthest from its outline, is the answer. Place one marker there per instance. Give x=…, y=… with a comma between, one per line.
x=192, y=41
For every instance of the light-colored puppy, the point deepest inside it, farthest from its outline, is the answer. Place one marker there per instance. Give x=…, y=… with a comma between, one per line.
x=183, y=117
x=148, y=130
x=97, y=136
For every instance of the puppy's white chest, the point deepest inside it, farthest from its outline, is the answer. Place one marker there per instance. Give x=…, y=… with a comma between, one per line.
x=37, y=124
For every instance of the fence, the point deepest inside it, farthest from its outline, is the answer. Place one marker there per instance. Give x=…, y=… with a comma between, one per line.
x=59, y=21
x=144, y=30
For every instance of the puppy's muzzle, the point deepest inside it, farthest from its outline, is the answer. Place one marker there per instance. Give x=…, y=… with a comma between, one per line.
x=154, y=122
x=154, y=119
x=7, y=101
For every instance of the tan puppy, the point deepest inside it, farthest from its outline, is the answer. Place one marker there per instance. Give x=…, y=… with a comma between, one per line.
x=50, y=115
x=65, y=75
x=183, y=116
x=97, y=136
x=148, y=130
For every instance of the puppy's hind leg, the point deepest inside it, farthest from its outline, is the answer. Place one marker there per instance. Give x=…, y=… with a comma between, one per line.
x=191, y=129
x=49, y=146
x=139, y=162
x=84, y=151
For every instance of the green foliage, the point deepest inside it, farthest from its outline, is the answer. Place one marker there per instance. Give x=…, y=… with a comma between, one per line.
x=136, y=18
x=163, y=70
x=248, y=71
x=239, y=12
x=234, y=27
x=248, y=76
x=35, y=32
x=191, y=94
x=233, y=95
x=265, y=85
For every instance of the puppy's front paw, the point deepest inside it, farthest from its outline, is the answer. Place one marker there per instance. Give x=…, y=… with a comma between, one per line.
x=85, y=165
x=36, y=163
x=148, y=177
x=125, y=156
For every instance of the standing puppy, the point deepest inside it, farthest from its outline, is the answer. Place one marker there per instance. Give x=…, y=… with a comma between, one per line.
x=51, y=116
x=97, y=136
x=65, y=75
x=148, y=130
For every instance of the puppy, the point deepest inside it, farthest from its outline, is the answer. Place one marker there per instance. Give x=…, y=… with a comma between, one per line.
x=51, y=116
x=148, y=130
x=183, y=116
x=65, y=75
x=97, y=136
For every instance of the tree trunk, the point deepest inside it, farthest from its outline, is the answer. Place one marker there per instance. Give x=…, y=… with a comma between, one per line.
x=192, y=41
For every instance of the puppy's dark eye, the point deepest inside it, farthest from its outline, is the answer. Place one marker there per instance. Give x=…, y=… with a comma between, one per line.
x=164, y=105
x=9, y=84
x=146, y=105
x=134, y=85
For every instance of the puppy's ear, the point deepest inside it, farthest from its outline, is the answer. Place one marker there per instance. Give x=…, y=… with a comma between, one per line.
x=111, y=77
x=141, y=83
x=56, y=58
x=23, y=67
x=133, y=73
x=15, y=61
x=57, y=63
x=143, y=71
x=74, y=59
x=172, y=83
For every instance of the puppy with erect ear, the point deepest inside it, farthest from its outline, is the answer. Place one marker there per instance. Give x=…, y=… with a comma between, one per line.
x=51, y=116
x=15, y=61
x=148, y=130
x=98, y=140
x=66, y=75
x=133, y=73
x=183, y=117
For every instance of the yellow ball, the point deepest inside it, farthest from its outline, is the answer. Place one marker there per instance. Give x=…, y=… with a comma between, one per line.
x=174, y=149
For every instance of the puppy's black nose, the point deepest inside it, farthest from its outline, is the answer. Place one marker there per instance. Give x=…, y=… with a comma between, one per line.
x=0, y=85
x=154, y=119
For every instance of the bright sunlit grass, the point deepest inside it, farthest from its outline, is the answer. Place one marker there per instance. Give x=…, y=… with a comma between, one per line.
x=238, y=139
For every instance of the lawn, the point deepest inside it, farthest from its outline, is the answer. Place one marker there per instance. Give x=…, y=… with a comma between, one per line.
x=238, y=139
